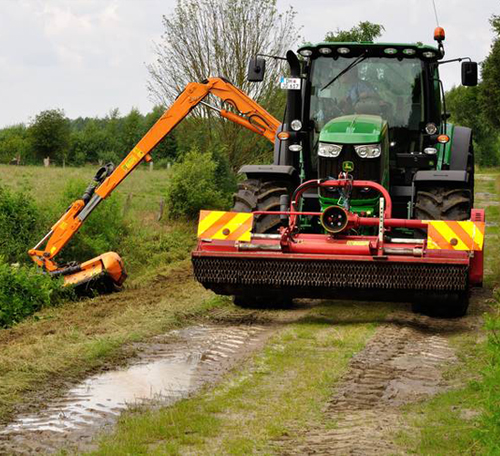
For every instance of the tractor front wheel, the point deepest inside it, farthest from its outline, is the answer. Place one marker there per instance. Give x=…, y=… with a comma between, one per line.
x=261, y=195
x=441, y=203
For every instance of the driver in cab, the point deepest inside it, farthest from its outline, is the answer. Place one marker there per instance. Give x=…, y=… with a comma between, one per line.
x=349, y=95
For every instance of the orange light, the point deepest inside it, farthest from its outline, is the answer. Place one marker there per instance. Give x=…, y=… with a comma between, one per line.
x=439, y=34
x=443, y=139
x=284, y=135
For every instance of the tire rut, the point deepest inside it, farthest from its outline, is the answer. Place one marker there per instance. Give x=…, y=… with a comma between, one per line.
x=402, y=363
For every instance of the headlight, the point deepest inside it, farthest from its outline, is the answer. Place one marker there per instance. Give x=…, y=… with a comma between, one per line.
x=296, y=125
x=329, y=150
x=368, y=151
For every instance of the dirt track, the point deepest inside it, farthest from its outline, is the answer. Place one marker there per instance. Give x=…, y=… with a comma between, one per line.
x=403, y=363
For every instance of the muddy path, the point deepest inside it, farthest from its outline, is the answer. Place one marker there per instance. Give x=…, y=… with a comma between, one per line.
x=165, y=369
x=403, y=363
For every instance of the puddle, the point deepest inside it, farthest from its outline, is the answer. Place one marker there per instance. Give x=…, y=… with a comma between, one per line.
x=166, y=370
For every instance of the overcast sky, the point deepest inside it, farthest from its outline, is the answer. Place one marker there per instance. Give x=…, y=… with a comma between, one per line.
x=89, y=56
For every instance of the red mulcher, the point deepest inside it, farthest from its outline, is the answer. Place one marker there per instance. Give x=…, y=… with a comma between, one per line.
x=339, y=264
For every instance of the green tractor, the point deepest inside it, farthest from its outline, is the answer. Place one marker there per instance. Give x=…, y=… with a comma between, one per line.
x=375, y=111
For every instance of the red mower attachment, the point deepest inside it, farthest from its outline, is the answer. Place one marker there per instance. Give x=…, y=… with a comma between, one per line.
x=443, y=257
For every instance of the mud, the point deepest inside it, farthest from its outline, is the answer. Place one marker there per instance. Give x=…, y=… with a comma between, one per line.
x=167, y=369
x=403, y=363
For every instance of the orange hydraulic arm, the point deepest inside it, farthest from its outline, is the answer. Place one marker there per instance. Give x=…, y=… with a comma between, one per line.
x=251, y=116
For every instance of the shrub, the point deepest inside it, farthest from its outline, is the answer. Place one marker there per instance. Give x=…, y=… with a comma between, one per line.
x=101, y=232
x=19, y=225
x=195, y=184
x=24, y=290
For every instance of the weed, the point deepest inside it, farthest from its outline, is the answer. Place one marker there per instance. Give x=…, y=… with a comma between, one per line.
x=23, y=291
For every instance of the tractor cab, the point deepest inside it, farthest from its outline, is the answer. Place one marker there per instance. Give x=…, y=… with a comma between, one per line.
x=377, y=106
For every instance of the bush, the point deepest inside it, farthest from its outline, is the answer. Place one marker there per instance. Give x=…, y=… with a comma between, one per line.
x=101, y=232
x=24, y=290
x=195, y=183
x=19, y=225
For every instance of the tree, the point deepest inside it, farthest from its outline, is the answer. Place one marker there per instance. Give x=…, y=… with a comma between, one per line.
x=364, y=31
x=49, y=135
x=87, y=144
x=14, y=143
x=217, y=38
x=465, y=106
x=133, y=129
x=490, y=86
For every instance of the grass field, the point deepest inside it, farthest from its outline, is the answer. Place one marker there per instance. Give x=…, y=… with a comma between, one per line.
x=278, y=391
x=69, y=341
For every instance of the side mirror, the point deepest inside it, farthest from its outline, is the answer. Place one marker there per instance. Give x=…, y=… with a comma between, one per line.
x=256, y=69
x=469, y=74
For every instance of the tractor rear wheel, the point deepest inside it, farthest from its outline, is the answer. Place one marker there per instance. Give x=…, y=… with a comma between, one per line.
x=261, y=195
x=442, y=203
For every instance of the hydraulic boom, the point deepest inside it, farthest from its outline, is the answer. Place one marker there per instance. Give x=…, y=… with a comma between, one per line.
x=109, y=265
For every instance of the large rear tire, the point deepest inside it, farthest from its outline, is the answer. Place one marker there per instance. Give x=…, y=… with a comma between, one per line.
x=449, y=305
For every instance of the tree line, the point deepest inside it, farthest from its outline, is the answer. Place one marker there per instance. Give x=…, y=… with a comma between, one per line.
x=83, y=140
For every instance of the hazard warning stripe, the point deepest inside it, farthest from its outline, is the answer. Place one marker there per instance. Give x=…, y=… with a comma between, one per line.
x=231, y=226
x=453, y=235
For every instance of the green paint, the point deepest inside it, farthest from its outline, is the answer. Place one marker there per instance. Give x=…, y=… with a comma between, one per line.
x=450, y=130
x=354, y=129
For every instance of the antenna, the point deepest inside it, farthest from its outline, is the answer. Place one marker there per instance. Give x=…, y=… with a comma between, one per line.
x=435, y=12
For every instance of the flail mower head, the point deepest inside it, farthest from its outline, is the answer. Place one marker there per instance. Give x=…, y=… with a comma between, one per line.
x=442, y=257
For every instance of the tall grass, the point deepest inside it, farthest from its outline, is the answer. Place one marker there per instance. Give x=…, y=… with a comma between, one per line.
x=489, y=430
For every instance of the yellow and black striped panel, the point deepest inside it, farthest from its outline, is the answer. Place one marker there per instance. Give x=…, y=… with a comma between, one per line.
x=230, y=226
x=453, y=235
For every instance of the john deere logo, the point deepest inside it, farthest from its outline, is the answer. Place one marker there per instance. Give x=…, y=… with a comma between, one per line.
x=348, y=166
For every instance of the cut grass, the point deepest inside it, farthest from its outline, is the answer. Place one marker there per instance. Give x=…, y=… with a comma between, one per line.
x=58, y=345
x=277, y=393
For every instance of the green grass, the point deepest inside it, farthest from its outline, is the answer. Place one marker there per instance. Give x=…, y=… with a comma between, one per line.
x=279, y=391
x=466, y=421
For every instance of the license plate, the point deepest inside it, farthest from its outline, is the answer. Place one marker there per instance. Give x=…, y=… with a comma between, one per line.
x=290, y=83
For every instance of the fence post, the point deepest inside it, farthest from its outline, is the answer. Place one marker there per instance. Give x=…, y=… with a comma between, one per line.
x=127, y=204
x=162, y=208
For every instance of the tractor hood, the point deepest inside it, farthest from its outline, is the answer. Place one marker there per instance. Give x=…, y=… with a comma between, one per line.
x=354, y=129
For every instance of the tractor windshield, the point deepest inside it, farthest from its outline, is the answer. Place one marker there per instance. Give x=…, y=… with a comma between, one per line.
x=390, y=88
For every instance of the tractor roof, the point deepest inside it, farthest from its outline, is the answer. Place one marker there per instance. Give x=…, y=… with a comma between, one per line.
x=389, y=50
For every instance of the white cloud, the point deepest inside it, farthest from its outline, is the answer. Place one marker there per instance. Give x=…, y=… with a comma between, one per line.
x=88, y=56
